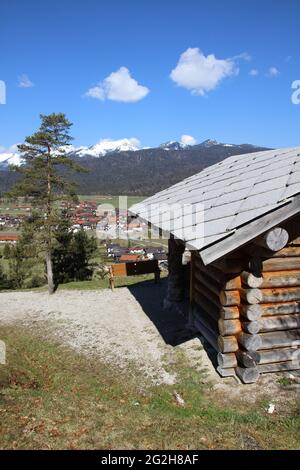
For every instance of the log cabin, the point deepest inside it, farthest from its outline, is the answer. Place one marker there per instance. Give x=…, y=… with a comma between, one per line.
x=240, y=221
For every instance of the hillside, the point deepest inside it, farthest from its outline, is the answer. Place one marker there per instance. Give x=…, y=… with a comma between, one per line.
x=145, y=171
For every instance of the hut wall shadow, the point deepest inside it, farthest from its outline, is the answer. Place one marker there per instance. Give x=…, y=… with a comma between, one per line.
x=171, y=322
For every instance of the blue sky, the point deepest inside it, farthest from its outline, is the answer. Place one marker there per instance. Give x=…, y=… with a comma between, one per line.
x=153, y=70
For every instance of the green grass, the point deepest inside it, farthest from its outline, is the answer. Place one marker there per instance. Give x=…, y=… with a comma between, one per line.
x=99, y=258
x=52, y=398
x=103, y=283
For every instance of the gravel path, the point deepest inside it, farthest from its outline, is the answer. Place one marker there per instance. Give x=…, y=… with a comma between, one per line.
x=129, y=326
x=122, y=327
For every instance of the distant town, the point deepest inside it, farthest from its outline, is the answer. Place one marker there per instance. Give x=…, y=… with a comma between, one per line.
x=98, y=220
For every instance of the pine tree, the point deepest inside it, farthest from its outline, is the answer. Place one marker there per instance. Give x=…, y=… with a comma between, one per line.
x=45, y=180
x=72, y=254
x=83, y=250
x=23, y=256
x=62, y=252
x=4, y=284
x=6, y=251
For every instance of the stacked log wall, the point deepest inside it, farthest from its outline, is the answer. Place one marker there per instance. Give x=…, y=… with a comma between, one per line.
x=278, y=309
x=252, y=317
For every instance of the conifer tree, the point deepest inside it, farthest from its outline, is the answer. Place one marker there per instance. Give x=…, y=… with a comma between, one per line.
x=45, y=172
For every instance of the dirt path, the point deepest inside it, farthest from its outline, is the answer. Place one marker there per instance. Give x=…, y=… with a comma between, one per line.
x=110, y=324
x=127, y=327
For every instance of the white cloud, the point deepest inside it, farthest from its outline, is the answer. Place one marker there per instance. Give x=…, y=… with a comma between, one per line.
x=253, y=72
x=96, y=92
x=24, y=81
x=200, y=73
x=10, y=155
x=119, y=86
x=12, y=149
x=273, y=72
x=244, y=56
x=188, y=140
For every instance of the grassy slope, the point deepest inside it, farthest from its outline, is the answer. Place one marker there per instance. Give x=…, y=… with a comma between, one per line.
x=51, y=397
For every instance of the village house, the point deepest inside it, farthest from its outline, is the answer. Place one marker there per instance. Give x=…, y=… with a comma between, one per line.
x=136, y=250
x=127, y=258
x=10, y=239
x=152, y=251
x=240, y=219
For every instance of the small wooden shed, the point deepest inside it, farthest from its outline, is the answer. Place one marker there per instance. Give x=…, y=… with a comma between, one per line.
x=240, y=219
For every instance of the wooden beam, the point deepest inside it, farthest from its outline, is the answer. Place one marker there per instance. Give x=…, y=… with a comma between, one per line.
x=295, y=242
x=207, y=282
x=250, y=280
x=251, y=296
x=286, y=308
x=229, y=327
x=278, y=355
x=206, y=318
x=248, y=232
x=249, y=342
x=226, y=372
x=280, y=339
x=280, y=322
x=206, y=305
x=248, y=375
x=229, y=313
x=288, y=252
x=210, y=337
x=275, y=264
x=274, y=239
x=278, y=367
x=251, y=312
x=208, y=294
x=251, y=327
x=226, y=360
x=230, y=297
x=281, y=279
x=227, y=344
x=219, y=277
x=247, y=358
x=277, y=294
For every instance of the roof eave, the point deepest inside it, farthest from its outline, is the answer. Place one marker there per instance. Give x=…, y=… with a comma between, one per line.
x=250, y=231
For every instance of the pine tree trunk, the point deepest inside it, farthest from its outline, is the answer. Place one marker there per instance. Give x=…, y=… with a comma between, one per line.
x=49, y=268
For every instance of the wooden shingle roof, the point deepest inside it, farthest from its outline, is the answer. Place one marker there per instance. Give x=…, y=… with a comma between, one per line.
x=232, y=201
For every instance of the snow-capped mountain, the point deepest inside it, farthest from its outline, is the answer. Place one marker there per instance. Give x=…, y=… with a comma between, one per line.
x=7, y=159
x=139, y=172
x=103, y=147
x=106, y=146
x=173, y=145
x=210, y=143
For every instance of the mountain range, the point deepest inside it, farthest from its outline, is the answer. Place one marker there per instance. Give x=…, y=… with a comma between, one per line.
x=121, y=167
